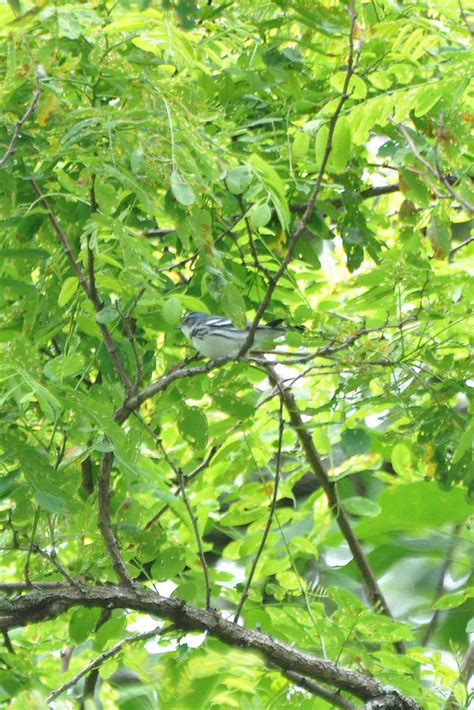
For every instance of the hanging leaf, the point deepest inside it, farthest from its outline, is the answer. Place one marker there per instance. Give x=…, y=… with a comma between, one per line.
x=239, y=179
x=68, y=289
x=300, y=146
x=363, y=507
x=234, y=305
x=274, y=185
x=192, y=424
x=181, y=190
x=341, y=145
x=170, y=562
x=355, y=442
x=64, y=366
x=172, y=310
x=260, y=216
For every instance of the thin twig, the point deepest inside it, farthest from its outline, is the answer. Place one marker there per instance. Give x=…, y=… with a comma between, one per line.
x=143, y=636
x=26, y=571
x=34, y=548
x=105, y=522
x=329, y=487
x=188, y=477
x=182, y=487
x=8, y=643
x=258, y=265
x=109, y=342
x=455, y=249
x=90, y=252
x=334, y=698
x=197, y=535
x=435, y=171
x=366, y=194
x=271, y=513
x=21, y=122
x=441, y=582
x=464, y=18
x=352, y=61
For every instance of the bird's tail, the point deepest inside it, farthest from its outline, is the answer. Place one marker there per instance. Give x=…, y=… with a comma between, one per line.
x=278, y=324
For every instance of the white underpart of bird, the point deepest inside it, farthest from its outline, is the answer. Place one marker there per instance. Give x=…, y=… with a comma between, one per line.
x=216, y=336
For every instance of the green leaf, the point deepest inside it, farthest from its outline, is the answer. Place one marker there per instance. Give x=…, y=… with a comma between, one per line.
x=274, y=186
x=68, y=289
x=341, y=145
x=355, y=442
x=192, y=424
x=361, y=506
x=320, y=144
x=300, y=146
x=465, y=443
x=414, y=188
x=8, y=483
x=239, y=179
x=171, y=561
x=440, y=237
x=401, y=458
x=107, y=315
x=64, y=366
x=43, y=480
x=234, y=305
x=136, y=160
x=172, y=310
x=414, y=507
x=112, y=629
x=106, y=196
x=357, y=88
x=260, y=216
x=181, y=190
x=454, y=599
x=82, y=624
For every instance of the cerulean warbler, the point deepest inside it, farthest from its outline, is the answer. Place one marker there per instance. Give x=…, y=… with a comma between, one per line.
x=215, y=336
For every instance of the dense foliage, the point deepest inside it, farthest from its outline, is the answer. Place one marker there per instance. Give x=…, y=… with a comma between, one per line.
x=293, y=159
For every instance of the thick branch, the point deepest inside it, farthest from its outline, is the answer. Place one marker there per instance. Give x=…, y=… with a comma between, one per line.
x=41, y=605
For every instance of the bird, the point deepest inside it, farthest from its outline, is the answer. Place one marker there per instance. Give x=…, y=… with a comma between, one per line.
x=215, y=336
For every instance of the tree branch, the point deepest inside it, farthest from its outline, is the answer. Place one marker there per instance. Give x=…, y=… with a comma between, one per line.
x=158, y=631
x=460, y=246
x=271, y=513
x=435, y=171
x=441, y=582
x=40, y=605
x=195, y=525
x=367, y=194
x=21, y=122
x=329, y=487
x=105, y=523
x=331, y=697
x=90, y=292
x=301, y=228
